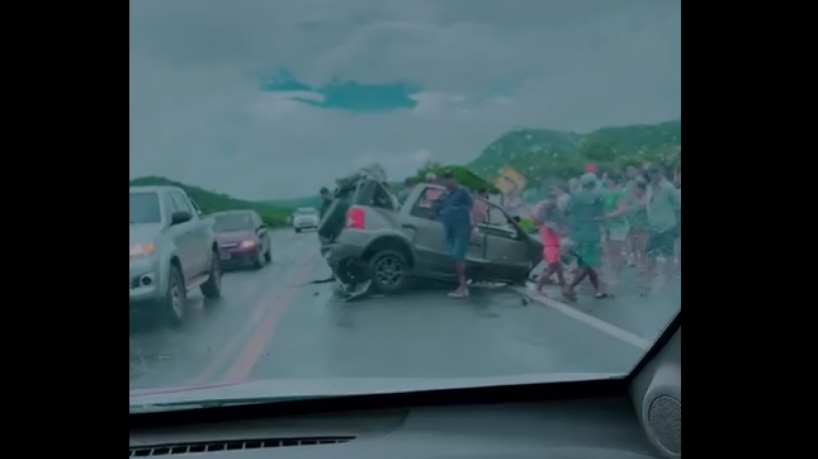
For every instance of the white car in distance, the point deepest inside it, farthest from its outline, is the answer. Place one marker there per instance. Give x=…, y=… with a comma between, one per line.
x=306, y=218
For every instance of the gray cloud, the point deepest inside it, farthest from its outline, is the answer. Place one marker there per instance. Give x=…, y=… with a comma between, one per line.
x=196, y=113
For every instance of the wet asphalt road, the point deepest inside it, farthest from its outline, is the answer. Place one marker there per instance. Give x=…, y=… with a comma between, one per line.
x=272, y=323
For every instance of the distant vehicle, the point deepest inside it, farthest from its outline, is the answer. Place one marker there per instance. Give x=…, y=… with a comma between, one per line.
x=306, y=218
x=368, y=236
x=243, y=238
x=172, y=250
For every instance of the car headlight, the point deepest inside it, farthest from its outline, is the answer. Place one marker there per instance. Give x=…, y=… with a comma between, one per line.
x=142, y=250
x=247, y=244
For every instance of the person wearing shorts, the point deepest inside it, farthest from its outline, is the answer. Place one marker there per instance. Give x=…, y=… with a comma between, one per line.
x=548, y=217
x=663, y=203
x=638, y=222
x=616, y=225
x=455, y=211
x=584, y=213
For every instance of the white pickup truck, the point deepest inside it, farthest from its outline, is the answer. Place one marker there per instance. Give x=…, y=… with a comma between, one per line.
x=172, y=250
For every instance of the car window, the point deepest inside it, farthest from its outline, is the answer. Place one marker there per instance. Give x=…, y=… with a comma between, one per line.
x=170, y=205
x=383, y=199
x=144, y=208
x=181, y=202
x=309, y=211
x=496, y=216
x=346, y=194
x=234, y=222
x=422, y=207
x=195, y=206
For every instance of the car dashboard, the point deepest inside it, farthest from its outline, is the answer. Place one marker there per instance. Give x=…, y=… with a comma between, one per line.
x=641, y=420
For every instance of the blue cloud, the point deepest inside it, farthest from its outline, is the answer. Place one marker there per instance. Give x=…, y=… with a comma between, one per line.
x=347, y=95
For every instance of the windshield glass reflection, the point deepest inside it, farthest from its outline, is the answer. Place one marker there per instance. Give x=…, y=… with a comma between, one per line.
x=399, y=194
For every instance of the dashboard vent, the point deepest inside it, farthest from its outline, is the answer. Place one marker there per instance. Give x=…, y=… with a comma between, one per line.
x=219, y=446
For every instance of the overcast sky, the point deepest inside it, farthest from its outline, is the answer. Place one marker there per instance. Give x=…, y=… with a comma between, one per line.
x=197, y=113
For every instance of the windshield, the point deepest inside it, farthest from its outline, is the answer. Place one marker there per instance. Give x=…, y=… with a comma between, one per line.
x=234, y=222
x=497, y=188
x=306, y=212
x=144, y=208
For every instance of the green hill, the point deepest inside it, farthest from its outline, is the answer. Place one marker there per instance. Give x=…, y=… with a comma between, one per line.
x=536, y=153
x=211, y=201
x=540, y=153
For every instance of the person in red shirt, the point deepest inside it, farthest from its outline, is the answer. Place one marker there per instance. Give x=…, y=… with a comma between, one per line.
x=547, y=217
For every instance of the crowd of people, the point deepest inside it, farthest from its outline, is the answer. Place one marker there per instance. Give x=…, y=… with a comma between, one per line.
x=614, y=219
x=601, y=220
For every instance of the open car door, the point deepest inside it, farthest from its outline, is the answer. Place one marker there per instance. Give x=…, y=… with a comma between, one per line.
x=508, y=253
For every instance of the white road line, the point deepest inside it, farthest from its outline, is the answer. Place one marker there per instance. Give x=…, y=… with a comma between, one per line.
x=587, y=319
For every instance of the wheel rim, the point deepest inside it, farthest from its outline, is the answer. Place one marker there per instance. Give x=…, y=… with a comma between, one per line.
x=389, y=271
x=177, y=301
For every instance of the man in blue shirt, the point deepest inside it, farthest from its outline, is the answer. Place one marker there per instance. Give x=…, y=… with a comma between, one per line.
x=454, y=210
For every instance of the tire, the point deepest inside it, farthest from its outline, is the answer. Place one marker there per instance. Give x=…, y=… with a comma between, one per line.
x=212, y=289
x=298, y=230
x=172, y=306
x=268, y=257
x=392, y=265
x=258, y=263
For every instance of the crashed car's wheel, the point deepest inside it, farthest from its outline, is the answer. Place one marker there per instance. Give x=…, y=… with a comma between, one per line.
x=389, y=271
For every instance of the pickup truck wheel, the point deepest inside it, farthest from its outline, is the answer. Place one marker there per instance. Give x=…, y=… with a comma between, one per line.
x=172, y=307
x=389, y=271
x=212, y=289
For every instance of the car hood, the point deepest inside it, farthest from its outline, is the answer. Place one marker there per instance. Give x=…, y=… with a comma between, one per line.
x=235, y=236
x=306, y=217
x=309, y=388
x=140, y=233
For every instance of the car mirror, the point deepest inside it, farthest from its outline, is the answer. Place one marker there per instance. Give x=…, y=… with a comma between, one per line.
x=180, y=216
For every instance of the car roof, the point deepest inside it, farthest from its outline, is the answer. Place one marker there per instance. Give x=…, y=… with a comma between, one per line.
x=373, y=171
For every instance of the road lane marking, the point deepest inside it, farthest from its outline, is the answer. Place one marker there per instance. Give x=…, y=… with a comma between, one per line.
x=587, y=319
x=233, y=346
x=220, y=359
x=243, y=365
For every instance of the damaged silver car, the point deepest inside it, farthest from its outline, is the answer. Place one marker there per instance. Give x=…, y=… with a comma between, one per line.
x=372, y=241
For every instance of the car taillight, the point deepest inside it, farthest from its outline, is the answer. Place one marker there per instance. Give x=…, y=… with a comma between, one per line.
x=356, y=218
